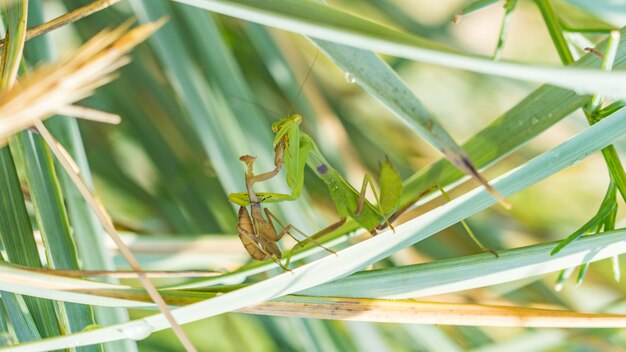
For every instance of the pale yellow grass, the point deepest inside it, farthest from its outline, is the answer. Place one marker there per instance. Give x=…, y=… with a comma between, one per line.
x=55, y=88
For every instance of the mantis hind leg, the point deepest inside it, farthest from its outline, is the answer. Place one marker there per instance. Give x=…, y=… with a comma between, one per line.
x=469, y=231
x=313, y=238
x=367, y=180
x=285, y=267
x=287, y=228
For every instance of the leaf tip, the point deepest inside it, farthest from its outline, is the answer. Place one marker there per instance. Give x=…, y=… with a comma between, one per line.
x=471, y=170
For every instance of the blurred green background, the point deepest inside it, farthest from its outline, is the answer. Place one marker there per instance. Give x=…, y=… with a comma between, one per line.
x=164, y=172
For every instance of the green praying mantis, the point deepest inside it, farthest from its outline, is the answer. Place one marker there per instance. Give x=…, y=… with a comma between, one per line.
x=256, y=228
x=293, y=151
x=296, y=150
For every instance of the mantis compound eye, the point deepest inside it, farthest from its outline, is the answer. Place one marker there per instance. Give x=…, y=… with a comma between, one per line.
x=322, y=169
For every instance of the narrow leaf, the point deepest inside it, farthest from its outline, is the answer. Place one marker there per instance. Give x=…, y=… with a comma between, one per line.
x=326, y=23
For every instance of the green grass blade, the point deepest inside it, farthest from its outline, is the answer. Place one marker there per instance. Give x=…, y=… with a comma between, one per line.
x=48, y=205
x=534, y=114
x=19, y=243
x=379, y=80
x=53, y=223
x=15, y=14
x=509, y=7
x=323, y=22
x=15, y=227
x=475, y=5
x=608, y=207
x=481, y=270
x=21, y=321
x=556, y=32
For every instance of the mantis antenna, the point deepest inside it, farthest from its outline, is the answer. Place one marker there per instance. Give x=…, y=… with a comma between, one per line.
x=295, y=100
x=306, y=78
x=276, y=114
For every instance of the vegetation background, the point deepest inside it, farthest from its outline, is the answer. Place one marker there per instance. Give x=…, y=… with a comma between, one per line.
x=198, y=94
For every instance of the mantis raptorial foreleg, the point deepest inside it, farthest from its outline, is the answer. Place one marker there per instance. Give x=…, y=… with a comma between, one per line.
x=289, y=227
x=279, y=153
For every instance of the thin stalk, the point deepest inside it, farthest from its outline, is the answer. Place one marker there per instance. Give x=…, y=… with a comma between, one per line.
x=69, y=17
x=609, y=153
x=556, y=32
x=509, y=7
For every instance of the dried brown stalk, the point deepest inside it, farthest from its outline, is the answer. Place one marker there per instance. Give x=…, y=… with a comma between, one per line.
x=69, y=17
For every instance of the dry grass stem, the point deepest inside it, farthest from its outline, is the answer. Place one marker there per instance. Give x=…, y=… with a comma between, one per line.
x=107, y=224
x=69, y=17
x=54, y=88
x=125, y=274
x=86, y=113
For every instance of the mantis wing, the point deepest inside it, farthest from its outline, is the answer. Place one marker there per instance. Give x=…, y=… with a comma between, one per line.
x=342, y=193
x=390, y=188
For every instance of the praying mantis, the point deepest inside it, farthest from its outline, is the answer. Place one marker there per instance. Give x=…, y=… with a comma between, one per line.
x=293, y=150
x=258, y=233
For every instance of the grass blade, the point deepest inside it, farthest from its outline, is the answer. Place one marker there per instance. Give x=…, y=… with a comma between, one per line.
x=15, y=227
x=380, y=81
x=444, y=276
x=52, y=222
x=17, y=237
x=21, y=321
x=323, y=22
x=333, y=300
x=411, y=281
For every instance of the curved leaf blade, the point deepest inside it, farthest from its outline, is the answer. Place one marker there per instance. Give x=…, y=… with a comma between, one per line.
x=323, y=22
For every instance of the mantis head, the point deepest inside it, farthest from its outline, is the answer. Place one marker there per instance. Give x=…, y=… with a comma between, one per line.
x=286, y=123
x=282, y=127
